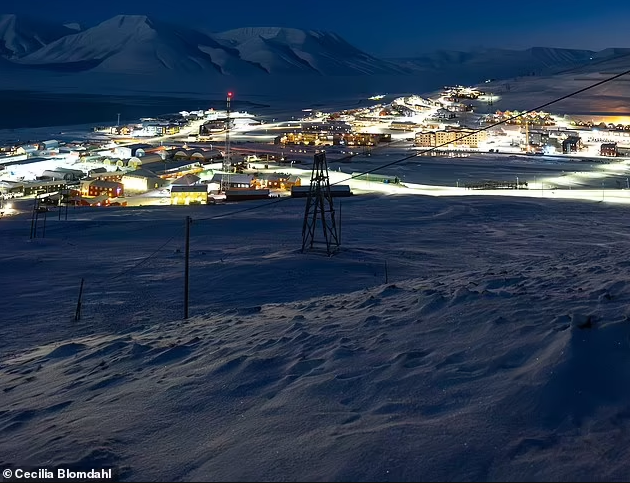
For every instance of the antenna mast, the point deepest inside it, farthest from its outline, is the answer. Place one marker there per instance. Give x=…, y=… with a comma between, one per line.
x=227, y=164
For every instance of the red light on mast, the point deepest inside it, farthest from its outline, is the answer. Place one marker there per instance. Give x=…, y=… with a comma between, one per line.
x=229, y=94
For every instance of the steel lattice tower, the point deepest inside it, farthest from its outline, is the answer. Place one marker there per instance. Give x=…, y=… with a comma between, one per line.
x=319, y=204
x=227, y=166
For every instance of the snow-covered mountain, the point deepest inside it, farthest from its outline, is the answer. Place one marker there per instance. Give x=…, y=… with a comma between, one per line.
x=73, y=26
x=137, y=53
x=285, y=50
x=134, y=44
x=20, y=36
x=504, y=63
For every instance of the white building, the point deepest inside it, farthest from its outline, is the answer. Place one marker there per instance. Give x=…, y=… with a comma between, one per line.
x=27, y=149
x=126, y=152
x=49, y=145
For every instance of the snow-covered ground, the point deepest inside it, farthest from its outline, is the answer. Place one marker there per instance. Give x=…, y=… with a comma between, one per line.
x=452, y=338
x=608, y=99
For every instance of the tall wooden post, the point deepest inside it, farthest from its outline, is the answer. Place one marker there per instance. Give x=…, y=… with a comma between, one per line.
x=44, y=230
x=77, y=314
x=339, y=222
x=187, y=266
x=33, y=219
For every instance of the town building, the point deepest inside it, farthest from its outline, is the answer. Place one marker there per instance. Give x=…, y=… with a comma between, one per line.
x=608, y=149
x=97, y=187
x=442, y=115
x=333, y=127
x=537, y=138
x=126, y=152
x=234, y=181
x=153, y=129
x=121, y=130
x=404, y=125
x=142, y=180
x=187, y=180
x=203, y=155
x=357, y=139
x=66, y=174
x=41, y=187
x=572, y=144
x=51, y=145
x=281, y=181
x=213, y=127
x=460, y=137
x=425, y=139
x=175, y=169
x=104, y=175
x=28, y=149
x=196, y=194
x=306, y=138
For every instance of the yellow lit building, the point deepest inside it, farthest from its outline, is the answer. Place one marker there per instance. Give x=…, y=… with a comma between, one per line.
x=451, y=137
x=358, y=139
x=425, y=139
x=189, y=195
x=306, y=138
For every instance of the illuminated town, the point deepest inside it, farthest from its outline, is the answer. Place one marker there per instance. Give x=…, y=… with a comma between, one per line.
x=211, y=156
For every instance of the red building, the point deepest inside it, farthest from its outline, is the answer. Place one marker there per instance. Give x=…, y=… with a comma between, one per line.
x=112, y=189
x=608, y=149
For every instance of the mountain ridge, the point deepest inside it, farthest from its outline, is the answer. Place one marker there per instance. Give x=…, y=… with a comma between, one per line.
x=140, y=44
x=152, y=54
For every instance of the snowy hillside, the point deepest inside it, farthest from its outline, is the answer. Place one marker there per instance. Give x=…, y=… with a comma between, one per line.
x=484, y=64
x=128, y=44
x=496, y=350
x=135, y=44
x=281, y=50
x=610, y=98
x=20, y=36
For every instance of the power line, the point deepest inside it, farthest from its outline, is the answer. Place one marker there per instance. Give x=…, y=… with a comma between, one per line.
x=476, y=131
x=434, y=148
x=281, y=200
x=144, y=260
x=591, y=63
x=250, y=208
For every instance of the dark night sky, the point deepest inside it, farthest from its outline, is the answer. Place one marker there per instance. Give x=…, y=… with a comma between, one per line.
x=398, y=28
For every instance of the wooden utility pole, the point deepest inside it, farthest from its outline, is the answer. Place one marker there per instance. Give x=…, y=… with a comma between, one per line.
x=33, y=219
x=186, y=266
x=44, y=230
x=339, y=222
x=77, y=314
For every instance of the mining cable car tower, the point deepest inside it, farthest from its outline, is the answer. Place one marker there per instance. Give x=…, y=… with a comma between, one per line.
x=319, y=204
